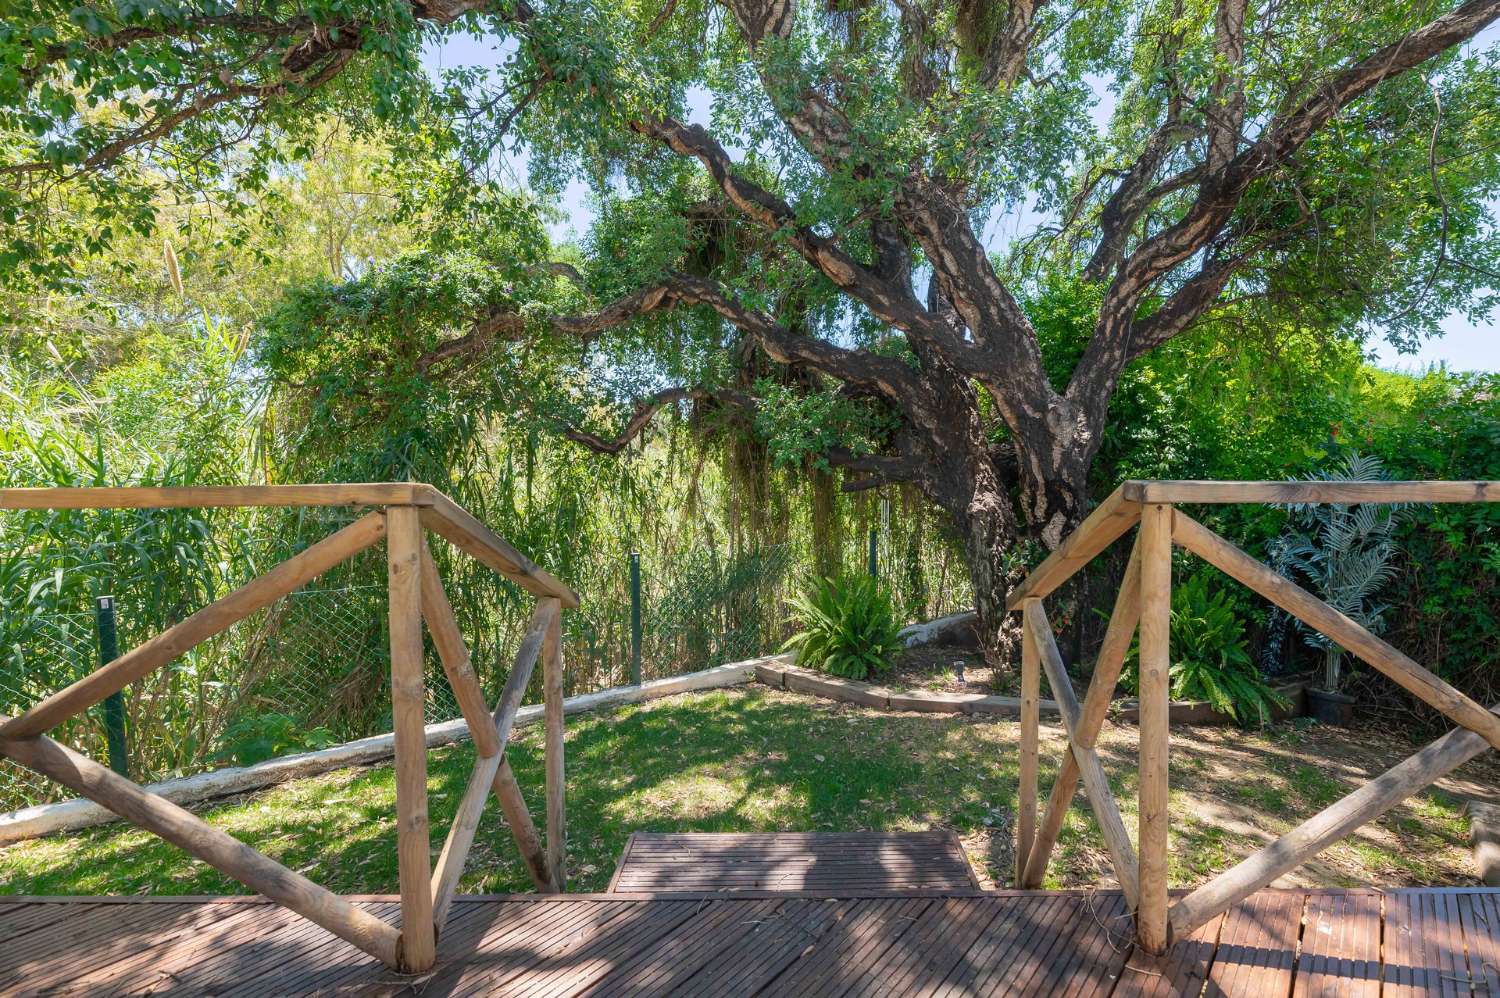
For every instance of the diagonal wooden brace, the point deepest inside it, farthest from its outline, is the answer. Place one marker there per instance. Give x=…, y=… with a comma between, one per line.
x=218, y=849
x=1406, y=673
x=449, y=642
x=1107, y=666
x=1095, y=783
x=1323, y=829
x=450, y=865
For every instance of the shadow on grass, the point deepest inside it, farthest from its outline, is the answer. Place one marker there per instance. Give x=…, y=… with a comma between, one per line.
x=745, y=760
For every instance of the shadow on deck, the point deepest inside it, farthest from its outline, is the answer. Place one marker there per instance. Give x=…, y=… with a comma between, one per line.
x=1357, y=942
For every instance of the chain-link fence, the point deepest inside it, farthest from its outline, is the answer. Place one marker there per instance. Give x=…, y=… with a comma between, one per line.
x=307, y=672
x=311, y=670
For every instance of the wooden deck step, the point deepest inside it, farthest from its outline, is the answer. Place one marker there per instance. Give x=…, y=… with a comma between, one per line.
x=798, y=862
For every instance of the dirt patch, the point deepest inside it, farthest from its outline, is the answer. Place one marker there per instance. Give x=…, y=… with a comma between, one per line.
x=948, y=670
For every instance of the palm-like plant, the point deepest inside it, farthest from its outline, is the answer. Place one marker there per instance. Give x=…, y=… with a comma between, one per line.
x=849, y=628
x=1210, y=656
x=1344, y=552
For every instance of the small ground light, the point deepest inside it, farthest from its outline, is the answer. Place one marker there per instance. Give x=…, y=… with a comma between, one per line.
x=958, y=667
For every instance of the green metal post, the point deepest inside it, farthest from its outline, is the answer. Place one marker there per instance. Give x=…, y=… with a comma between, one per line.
x=635, y=617
x=114, y=704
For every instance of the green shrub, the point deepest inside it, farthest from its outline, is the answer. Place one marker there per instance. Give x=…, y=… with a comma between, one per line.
x=848, y=628
x=1211, y=656
x=266, y=736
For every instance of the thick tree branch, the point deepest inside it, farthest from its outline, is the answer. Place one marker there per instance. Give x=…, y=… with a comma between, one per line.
x=1220, y=192
x=890, y=300
x=886, y=375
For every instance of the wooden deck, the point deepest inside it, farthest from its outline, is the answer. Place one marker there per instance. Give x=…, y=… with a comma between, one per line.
x=1290, y=943
x=793, y=862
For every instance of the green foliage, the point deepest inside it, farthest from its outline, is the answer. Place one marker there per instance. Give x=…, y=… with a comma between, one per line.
x=1446, y=597
x=848, y=628
x=1210, y=655
x=259, y=737
x=1344, y=551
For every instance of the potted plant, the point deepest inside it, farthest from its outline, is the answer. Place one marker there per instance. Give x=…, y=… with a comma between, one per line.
x=1344, y=553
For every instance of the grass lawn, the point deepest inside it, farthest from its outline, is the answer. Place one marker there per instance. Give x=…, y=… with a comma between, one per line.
x=755, y=759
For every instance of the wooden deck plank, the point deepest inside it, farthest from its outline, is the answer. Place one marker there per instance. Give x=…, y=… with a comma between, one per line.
x=512, y=948
x=1005, y=966
x=1258, y=946
x=937, y=939
x=1443, y=942
x=1177, y=973
x=658, y=969
x=763, y=953
x=579, y=966
x=819, y=969
x=809, y=861
x=1340, y=952
x=172, y=947
x=1480, y=918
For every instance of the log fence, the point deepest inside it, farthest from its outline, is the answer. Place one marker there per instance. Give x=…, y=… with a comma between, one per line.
x=401, y=514
x=1143, y=605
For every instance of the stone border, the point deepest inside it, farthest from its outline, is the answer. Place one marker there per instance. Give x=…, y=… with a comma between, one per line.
x=44, y=819
x=784, y=675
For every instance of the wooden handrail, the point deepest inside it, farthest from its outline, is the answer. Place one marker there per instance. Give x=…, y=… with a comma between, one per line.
x=1177, y=491
x=1400, y=669
x=440, y=514
x=143, y=659
x=451, y=521
x=144, y=497
x=1111, y=518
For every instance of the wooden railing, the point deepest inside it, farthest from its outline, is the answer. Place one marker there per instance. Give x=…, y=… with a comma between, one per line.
x=1144, y=601
x=400, y=514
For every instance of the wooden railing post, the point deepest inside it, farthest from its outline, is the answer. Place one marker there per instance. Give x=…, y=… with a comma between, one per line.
x=1031, y=693
x=552, y=691
x=413, y=845
x=1154, y=671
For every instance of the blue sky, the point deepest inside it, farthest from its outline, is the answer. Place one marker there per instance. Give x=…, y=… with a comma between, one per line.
x=1463, y=345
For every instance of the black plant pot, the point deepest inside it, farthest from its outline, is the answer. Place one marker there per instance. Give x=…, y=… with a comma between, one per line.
x=1330, y=708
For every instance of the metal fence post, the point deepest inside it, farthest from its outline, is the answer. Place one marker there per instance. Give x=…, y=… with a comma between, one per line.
x=635, y=618
x=114, y=704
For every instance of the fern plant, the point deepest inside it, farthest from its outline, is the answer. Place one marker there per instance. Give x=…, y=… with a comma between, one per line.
x=1211, y=656
x=1344, y=552
x=848, y=628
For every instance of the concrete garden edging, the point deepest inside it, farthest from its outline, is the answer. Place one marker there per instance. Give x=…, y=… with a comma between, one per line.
x=1201, y=712
x=44, y=819
x=781, y=674
x=784, y=675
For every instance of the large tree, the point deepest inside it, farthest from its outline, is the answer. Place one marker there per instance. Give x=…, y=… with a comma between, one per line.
x=818, y=198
